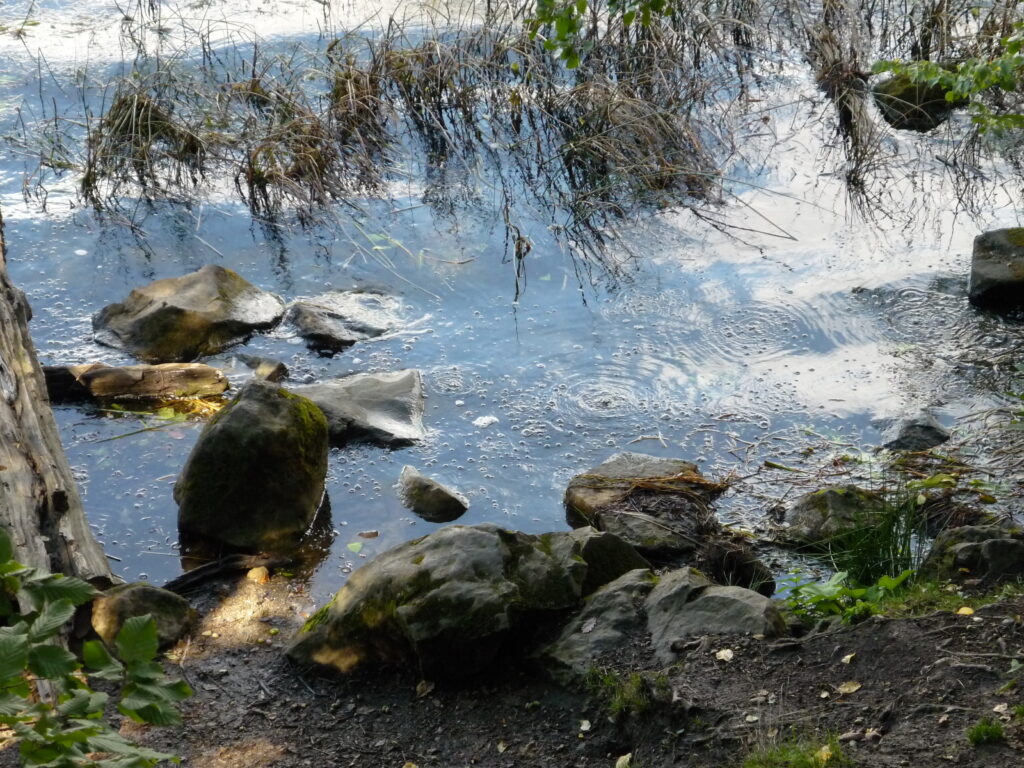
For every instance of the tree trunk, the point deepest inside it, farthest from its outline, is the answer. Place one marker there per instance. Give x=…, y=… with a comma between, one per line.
x=39, y=503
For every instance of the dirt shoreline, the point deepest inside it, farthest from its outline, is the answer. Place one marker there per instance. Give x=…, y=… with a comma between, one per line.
x=922, y=683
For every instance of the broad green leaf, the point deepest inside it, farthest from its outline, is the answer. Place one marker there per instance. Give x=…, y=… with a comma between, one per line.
x=155, y=713
x=137, y=640
x=51, y=618
x=110, y=741
x=6, y=547
x=11, y=704
x=13, y=655
x=51, y=661
x=57, y=587
x=84, y=703
x=98, y=659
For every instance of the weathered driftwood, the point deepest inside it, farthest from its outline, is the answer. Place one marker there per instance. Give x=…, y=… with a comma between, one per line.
x=97, y=381
x=39, y=503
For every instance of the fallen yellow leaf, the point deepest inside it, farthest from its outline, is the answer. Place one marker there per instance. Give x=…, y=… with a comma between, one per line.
x=724, y=655
x=850, y=686
x=502, y=746
x=847, y=658
x=965, y=611
x=625, y=761
x=823, y=755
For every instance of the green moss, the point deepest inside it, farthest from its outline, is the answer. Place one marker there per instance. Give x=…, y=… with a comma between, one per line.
x=623, y=695
x=318, y=617
x=1016, y=236
x=985, y=731
x=798, y=752
x=418, y=560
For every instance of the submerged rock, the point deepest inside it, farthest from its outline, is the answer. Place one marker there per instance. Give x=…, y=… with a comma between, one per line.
x=429, y=499
x=450, y=603
x=991, y=553
x=171, y=613
x=183, y=318
x=911, y=106
x=99, y=381
x=918, y=433
x=816, y=518
x=381, y=408
x=255, y=478
x=997, y=270
x=335, y=321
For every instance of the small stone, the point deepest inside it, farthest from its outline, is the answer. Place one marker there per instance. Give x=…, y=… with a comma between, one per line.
x=259, y=574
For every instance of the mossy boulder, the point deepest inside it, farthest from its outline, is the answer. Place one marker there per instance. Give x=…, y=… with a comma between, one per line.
x=172, y=613
x=997, y=270
x=448, y=604
x=255, y=478
x=911, y=106
x=991, y=553
x=381, y=408
x=817, y=518
x=336, y=320
x=179, y=319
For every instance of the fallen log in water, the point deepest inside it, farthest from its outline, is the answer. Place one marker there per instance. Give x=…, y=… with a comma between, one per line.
x=98, y=381
x=39, y=503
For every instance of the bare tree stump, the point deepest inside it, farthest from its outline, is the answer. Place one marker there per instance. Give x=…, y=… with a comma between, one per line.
x=39, y=503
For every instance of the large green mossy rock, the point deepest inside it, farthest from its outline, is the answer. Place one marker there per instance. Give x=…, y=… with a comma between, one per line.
x=817, y=518
x=448, y=604
x=178, y=319
x=997, y=270
x=255, y=478
x=912, y=106
x=172, y=614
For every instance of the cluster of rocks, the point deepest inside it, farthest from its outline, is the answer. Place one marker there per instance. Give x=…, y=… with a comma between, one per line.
x=645, y=560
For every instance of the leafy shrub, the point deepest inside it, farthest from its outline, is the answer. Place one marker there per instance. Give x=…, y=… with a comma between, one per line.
x=797, y=752
x=837, y=597
x=45, y=697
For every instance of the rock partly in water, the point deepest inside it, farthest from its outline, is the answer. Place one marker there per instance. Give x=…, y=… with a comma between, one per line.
x=992, y=553
x=97, y=381
x=450, y=603
x=997, y=270
x=911, y=106
x=335, y=321
x=663, y=508
x=381, y=408
x=660, y=506
x=430, y=499
x=917, y=433
x=265, y=368
x=183, y=318
x=172, y=613
x=255, y=477
x=818, y=517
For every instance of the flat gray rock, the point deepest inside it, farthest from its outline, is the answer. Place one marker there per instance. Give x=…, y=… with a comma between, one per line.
x=381, y=408
x=334, y=321
x=997, y=270
x=917, y=433
x=179, y=319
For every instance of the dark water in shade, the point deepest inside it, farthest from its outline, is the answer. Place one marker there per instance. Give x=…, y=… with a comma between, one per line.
x=725, y=349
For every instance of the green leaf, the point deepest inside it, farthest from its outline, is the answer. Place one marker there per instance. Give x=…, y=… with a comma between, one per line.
x=6, y=546
x=51, y=618
x=53, y=587
x=154, y=713
x=109, y=741
x=98, y=659
x=51, y=661
x=11, y=704
x=137, y=640
x=13, y=655
x=84, y=703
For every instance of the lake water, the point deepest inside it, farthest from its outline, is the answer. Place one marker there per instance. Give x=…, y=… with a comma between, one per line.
x=789, y=335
